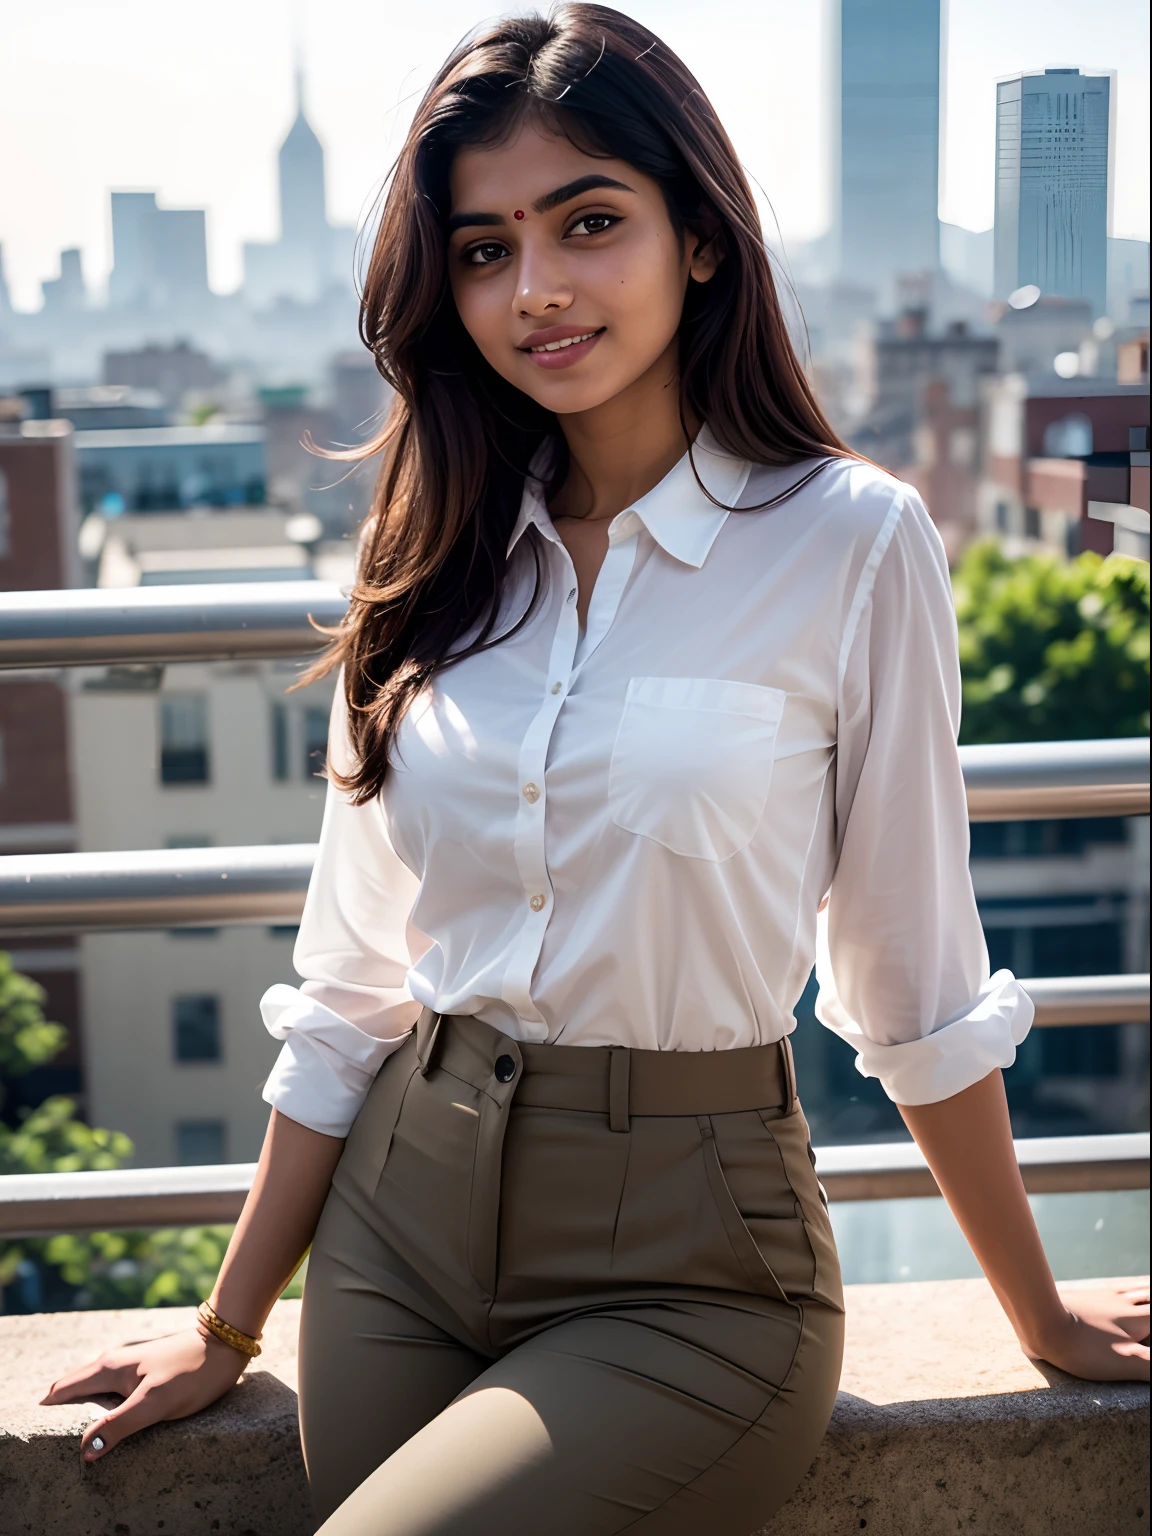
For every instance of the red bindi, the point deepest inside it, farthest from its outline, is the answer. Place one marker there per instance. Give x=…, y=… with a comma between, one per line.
x=519, y=214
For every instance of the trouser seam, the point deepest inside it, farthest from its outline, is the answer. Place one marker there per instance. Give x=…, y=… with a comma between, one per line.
x=684, y=1487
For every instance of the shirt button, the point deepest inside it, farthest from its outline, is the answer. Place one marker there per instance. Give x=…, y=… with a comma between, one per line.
x=536, y=903
x=531, y=793
x=504, y=1069
x=556, y=687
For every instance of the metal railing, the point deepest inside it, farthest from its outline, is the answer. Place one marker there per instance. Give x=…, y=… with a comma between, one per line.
x=121, y=626
x=35, y=1204
x=206, y=887
x=1027, y=781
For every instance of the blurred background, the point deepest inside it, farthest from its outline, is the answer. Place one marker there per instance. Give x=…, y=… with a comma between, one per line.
x=956, y=199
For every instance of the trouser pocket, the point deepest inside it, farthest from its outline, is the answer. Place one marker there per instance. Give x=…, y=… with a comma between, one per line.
x=759, y=1272
x=792, y=1139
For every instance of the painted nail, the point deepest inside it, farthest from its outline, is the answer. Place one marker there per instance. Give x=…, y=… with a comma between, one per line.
x=96, y=1444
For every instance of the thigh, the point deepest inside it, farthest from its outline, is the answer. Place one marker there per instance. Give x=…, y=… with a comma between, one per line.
x=666, y=1420
x=372, y=1372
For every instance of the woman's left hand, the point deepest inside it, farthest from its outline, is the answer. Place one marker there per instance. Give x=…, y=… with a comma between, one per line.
x=1103, y=1335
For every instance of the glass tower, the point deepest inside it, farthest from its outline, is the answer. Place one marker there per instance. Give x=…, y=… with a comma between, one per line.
x=889, y=139
x=1053, y=144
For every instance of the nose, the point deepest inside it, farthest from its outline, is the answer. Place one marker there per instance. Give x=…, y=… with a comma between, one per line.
x=542, y=286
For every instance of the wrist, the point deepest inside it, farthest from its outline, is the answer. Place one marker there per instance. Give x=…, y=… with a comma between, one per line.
x=239, y=1312
x=1040, y=1335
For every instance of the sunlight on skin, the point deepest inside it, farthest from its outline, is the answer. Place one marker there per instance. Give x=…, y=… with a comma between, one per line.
x=605, y=263
x=539, y=256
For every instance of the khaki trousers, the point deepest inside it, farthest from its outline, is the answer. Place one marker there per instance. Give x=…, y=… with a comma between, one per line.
x=568, y=1290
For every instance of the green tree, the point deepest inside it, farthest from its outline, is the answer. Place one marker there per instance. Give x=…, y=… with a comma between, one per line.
x=1052, y=650
x=27, y=1039
x=97, y=1269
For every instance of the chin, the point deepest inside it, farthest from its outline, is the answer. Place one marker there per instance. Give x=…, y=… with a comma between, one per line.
x=570, y=397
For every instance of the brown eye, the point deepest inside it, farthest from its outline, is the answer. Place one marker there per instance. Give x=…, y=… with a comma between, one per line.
x=484, y=255
x=593, y=224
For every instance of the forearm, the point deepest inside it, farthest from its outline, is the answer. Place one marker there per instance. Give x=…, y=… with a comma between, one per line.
x=277, y=1223
x=967, y=1142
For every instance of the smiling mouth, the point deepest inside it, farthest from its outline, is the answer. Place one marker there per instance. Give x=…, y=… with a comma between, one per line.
x=569, y=341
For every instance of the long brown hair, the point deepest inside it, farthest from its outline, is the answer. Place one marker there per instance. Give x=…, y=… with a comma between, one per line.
x=459, y=439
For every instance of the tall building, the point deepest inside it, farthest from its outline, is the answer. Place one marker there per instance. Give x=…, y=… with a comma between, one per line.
x=66, y=293
x=889, y=139
x=311, y=254
x=1053, y=184
x=159, y=255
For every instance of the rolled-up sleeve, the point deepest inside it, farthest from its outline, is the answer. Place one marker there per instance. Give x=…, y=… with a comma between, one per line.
x=354, y=950
x=901, y=960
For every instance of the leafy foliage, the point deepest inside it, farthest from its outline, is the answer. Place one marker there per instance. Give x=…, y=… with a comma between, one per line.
x=1049, y=650
x=98, y=1269
x=27, y=1039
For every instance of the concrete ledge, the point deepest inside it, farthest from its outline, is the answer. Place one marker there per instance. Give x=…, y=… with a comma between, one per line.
x=941, y=1426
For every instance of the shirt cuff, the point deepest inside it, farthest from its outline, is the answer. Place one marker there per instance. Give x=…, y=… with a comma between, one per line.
x=322, y=1075
x=958, y=1053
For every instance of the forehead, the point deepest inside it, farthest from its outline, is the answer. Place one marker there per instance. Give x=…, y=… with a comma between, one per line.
x=529, y=163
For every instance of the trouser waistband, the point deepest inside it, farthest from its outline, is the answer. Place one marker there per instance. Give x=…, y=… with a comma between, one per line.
x=618, y=1081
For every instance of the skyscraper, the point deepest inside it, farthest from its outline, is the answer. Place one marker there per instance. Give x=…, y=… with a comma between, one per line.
x=159, y=255
x=1053, y=187
x=66, y=292
x=889, y=139
x=306, y=259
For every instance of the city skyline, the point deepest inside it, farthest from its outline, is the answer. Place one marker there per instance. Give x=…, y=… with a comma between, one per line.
x=366, y=68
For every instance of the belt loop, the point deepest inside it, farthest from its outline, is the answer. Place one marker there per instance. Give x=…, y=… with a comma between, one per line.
x=427, y=1031
x=619, y=1065
x=789, y=1075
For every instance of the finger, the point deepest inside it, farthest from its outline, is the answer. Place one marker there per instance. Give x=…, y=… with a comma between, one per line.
x=109, y=1373
x=133, y=1414
x=1136, y=1358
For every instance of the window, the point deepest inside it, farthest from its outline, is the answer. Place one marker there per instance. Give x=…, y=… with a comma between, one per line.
x=184, y=756
x=315, y=740
x=279, y=742
x=1070, y=437
x=200, y=1141
x=196, y=1028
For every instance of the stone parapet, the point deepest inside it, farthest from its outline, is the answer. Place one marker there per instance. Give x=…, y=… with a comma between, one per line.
x=941, y=1426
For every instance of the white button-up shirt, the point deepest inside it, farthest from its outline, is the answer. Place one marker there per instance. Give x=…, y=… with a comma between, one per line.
x=622, y=836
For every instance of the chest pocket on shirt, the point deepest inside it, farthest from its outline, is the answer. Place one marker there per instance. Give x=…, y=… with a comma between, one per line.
x=692, y=762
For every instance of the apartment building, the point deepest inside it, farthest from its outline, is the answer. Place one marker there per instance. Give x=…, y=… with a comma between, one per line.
x=191, y=756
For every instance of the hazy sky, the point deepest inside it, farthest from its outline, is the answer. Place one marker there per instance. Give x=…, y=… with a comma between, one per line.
x=193, y=99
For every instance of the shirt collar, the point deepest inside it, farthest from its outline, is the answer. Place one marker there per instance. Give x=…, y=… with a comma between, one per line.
x=678, y=514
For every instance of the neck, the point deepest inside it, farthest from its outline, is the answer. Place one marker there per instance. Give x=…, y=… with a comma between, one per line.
x=621, y=449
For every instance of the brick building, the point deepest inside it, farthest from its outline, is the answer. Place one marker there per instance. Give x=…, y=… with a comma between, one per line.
x=1065, y=464
x=38, y=550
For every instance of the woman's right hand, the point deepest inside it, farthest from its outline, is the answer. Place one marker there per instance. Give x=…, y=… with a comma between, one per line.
x=165, y=1378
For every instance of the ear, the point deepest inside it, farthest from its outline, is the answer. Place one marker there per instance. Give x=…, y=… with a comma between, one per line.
x=704, y=248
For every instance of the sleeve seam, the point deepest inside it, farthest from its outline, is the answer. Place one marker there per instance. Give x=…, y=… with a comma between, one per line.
x=866, y=583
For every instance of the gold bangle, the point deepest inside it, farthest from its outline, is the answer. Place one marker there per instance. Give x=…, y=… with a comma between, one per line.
x=244, y=1342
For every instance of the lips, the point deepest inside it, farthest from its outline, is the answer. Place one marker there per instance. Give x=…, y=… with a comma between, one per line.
x=560, y=345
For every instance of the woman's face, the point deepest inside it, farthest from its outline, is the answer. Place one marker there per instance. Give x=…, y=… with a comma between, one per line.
x=566, y=270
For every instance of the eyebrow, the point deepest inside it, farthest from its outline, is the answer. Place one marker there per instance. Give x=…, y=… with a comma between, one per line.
x=544, y=204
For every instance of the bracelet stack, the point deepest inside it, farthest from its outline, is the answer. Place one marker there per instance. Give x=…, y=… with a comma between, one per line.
x=219, y=1329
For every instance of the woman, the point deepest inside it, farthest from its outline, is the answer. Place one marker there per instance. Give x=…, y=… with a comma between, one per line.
x=641, y=664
